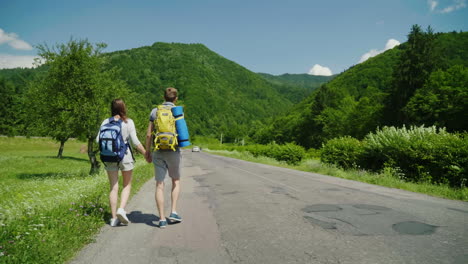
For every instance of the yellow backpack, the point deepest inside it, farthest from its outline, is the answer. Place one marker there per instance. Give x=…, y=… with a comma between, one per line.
x=165, y=135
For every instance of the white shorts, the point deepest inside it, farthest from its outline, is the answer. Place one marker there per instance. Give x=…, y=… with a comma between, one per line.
x=123, y=166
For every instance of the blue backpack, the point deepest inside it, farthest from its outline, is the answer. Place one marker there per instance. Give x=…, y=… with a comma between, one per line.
x=111, y=143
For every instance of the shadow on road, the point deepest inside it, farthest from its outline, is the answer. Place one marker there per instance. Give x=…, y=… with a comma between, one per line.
x=137, y=217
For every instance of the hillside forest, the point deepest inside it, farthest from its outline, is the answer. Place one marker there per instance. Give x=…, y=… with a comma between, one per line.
x=420, y=82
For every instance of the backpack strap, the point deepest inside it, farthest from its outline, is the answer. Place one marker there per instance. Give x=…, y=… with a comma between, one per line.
x=112, y=119
x=131, y=152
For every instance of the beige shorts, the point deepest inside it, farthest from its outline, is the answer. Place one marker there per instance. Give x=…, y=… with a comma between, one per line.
x=114, y=166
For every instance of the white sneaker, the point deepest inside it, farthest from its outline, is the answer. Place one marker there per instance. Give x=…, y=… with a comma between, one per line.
x=122, y=215
x=114, y=222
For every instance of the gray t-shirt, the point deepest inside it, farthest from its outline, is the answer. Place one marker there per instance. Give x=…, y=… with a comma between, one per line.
x=155, y=110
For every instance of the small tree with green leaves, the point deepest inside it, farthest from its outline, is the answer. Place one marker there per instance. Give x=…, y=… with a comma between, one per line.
x=75, y=94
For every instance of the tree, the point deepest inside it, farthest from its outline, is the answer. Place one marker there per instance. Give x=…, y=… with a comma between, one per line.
x=76, y=92
x=7, y=103
x=416, y=63
x=50, y=112
x=443, y=101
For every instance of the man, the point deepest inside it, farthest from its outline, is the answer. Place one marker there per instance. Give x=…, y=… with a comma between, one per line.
x=164, y=160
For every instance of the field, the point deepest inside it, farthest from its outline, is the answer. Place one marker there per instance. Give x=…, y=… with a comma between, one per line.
x=50, y=207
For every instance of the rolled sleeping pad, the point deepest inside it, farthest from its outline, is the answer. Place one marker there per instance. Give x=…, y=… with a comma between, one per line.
x=181, y=126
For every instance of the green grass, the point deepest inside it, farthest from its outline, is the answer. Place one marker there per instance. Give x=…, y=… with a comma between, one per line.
x=388, y=177
x=50, y=208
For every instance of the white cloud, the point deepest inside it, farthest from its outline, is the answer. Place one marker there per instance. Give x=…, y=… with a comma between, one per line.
x=4, y=37
x=20, y=44
x=456, y=4
x=11, y=61
x=320, y=70
x=14, y=41
x=432, y=4
x=391, y=43
x=459, y=4
x=369, y=54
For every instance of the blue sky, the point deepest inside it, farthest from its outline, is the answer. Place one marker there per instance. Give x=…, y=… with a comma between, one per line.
x=272, y=36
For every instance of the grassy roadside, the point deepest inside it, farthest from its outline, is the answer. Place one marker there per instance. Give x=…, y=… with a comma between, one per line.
x=388, y=178
x=50, y=208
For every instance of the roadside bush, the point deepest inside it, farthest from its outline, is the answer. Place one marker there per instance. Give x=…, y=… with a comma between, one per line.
x=313, y=153
x=290, y=153
x=257, y=150
x=422, y=153
x=345, y=152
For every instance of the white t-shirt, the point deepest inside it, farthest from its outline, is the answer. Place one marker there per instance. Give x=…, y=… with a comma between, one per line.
x=128, y=135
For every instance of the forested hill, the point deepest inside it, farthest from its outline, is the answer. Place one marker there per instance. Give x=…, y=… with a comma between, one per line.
x=219, y=95
x=421, y=82
x=306, y=81
x=298, y=86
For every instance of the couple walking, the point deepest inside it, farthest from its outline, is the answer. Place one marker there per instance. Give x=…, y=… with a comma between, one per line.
x=164, y=161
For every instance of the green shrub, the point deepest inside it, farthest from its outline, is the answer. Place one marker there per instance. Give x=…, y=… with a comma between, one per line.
x=344, y=152
x=289, y=153
x=422, y=153
x=313, y=153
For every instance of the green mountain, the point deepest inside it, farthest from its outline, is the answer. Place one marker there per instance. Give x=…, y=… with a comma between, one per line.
x=306, y=81
x=219, y=95
x=422, y=82
x=297, y=86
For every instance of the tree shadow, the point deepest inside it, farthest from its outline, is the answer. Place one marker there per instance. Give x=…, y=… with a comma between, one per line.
x=55, y=157
x=69, y=158
x=51, y=175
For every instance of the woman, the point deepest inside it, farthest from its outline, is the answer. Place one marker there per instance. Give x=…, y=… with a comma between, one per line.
x=119, y=111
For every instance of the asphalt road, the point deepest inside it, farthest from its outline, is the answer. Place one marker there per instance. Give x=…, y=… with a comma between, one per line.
x=240, y=212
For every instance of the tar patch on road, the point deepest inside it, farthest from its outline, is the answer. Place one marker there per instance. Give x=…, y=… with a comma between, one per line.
x=414, y=228
x=322, y=224
x=229, y=193
x=283, y=191
x=322, y=208
x=463, y=259
x=365, y=219
x=458, y=210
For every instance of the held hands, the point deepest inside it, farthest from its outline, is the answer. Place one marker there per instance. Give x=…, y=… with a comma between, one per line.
x=146, y=153
x=148, y=157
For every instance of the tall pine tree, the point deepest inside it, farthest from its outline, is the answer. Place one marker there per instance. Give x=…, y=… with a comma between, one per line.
x=418, y=60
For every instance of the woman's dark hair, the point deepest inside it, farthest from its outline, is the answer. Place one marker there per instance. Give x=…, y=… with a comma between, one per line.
x=118, y=108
